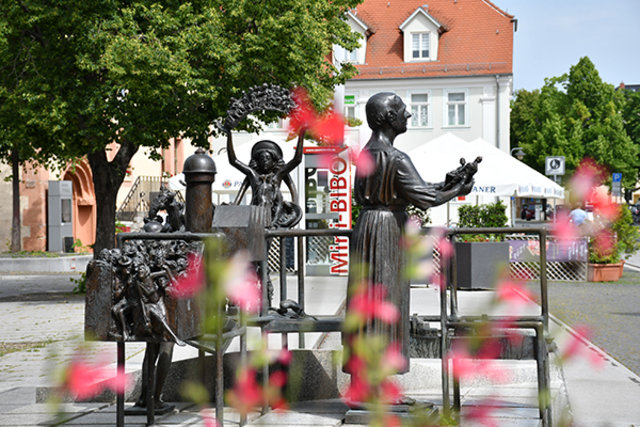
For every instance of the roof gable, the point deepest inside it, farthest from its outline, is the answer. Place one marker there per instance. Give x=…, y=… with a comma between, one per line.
x=420, y=11
x=475, y=38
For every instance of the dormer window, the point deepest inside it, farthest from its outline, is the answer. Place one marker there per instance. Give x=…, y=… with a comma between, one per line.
x=357, y=55
x=420, y=45
x=421, y=32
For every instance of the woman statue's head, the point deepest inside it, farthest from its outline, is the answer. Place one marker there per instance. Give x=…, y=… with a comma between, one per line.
x=265, y=156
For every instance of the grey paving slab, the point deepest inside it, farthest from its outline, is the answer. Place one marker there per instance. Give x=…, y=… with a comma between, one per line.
x=290, y=418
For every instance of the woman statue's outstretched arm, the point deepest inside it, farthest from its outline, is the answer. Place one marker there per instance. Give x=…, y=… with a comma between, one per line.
x=233, y=159
x=297, y=158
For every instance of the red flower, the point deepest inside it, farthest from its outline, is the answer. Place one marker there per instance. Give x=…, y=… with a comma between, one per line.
x=603, y=206
x=329, y=128
x=191, y=282
x=604, y=242
x=389, y=391
x=278, y=379
x=358, y=391
x=246, y=393
x=303, y=116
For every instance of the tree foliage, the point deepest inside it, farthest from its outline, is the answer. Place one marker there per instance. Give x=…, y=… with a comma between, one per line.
x=76, y=76
x=576, y=115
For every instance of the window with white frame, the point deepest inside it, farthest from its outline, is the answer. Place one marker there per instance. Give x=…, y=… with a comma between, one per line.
x=420, y=45
x=350, y=107
x=456, y=109
x=420, y=109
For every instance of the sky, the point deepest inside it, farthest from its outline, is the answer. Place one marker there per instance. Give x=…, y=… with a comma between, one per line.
x=553, y=35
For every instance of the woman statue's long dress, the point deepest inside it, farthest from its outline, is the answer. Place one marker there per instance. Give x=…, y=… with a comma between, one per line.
x=376, y=254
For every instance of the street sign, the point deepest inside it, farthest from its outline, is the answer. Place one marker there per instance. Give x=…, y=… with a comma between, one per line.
x=616, y=184
x=554, y=165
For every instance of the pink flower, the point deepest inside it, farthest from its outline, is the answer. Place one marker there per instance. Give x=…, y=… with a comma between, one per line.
x=481, y=413
x=588, y=175
x=284, y=357
x=85, y=380
x=120, y=383
x=393, y=358
x=446, y=248
x=192, y=281
x=362, y=158
x=370, y=303
x=241, y=283
x=208, y=416
x=513, y=293
x=564, y=231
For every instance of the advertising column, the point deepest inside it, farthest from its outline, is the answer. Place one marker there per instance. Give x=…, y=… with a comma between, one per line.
x=327, y=206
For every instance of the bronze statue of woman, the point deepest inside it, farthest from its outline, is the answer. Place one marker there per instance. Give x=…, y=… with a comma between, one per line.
x=375, y=248
x=264, y=174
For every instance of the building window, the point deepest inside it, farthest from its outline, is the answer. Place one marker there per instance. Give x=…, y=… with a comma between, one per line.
x=420, y=110
x=350, y=110
x=456, y=107
x=420, y=45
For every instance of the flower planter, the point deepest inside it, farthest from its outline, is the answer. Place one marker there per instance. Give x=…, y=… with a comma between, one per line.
x=478, y=264
x=604, y=272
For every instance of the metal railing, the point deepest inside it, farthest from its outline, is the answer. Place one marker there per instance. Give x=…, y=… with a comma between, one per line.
x=139, y=197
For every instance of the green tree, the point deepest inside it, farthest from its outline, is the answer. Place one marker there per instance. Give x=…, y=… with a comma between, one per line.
x=575, y=115
x=80, y=75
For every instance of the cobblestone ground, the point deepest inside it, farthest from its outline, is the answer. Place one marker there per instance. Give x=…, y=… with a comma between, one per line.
x=610, y=310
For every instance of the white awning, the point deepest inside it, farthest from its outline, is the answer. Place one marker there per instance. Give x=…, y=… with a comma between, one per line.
x=499, y=174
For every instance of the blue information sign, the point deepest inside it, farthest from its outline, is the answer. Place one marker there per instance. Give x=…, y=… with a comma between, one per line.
x=617, y=177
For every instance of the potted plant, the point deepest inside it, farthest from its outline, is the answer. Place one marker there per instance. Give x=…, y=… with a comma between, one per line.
x=481, y=257
x=606, y=264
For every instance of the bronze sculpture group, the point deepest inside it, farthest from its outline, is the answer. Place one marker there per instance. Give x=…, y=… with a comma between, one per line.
x=142, y=272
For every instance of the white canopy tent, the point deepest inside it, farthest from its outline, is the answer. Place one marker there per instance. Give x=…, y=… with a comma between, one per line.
x=499, y=174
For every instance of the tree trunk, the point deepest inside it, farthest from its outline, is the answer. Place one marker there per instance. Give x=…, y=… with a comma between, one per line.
x=15, y=223
x=107, y=178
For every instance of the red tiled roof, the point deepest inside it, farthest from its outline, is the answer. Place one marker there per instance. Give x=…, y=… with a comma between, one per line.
x=477, y=39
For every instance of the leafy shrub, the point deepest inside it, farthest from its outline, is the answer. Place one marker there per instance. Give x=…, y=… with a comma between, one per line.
x=488, y=215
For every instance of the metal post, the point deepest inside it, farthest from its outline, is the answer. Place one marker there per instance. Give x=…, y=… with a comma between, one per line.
x=446, y=408
x=120, y=394
x=301, y=343
x=543, y=277
x=151, y=383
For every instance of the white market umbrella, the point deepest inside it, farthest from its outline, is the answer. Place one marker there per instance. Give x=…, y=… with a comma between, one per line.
x=499, y=174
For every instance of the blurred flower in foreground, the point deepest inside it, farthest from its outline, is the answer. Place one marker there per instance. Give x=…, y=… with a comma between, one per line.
x=369, y=302
x=209, y=417
x=362, y=159
x=575, y=345
x=246, y=393
x=481, y=413
x=192, y=281
x=241, y=283
x=84, y=379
